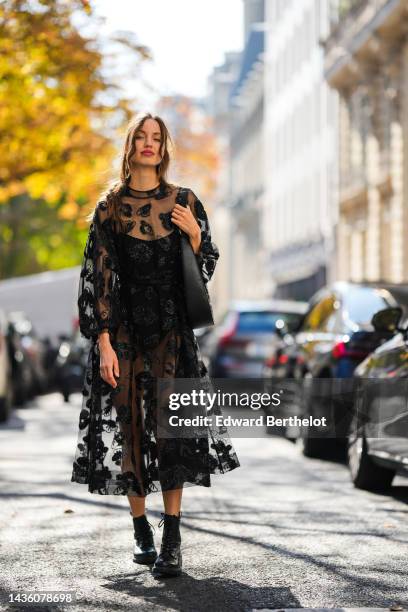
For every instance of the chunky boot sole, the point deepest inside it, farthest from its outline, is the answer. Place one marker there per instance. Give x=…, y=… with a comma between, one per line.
x=167, y=571
x=145, y=559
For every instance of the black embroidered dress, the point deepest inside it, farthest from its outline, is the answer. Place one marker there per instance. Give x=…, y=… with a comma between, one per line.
x=131, y=284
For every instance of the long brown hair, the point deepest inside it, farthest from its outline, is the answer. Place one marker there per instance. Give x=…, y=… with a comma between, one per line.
x=113, y=191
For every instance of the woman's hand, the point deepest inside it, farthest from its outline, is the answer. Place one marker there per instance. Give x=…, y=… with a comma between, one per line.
x=184, y=218
x=109, y=365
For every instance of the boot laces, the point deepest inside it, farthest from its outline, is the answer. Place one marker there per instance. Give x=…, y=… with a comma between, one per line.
x=163, y=515
x=143, y=533
x=171, y=536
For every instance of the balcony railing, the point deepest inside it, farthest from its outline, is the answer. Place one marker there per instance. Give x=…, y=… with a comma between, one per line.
x=352, y=24
x=343, y=12
x=340, y=9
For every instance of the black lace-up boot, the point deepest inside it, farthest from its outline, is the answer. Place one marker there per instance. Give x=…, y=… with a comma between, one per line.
x=168, y=563
x=144, y=551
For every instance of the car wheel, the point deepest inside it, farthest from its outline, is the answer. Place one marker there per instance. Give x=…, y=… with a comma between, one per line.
x=315, y=448
x=6, y=404
x=364, y=472
x=3, y=410
x=275, y=430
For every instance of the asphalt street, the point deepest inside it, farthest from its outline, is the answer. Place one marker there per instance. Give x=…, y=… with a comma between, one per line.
x=280, y=532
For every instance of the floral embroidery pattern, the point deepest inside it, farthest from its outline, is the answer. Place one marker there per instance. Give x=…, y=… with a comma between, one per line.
x=125, y=210
x=144, y=211
x=167, y=223
x=146, y=228
x=131, y=285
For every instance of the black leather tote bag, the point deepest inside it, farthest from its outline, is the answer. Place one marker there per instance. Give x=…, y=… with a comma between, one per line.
x=199, y=309
x=198, y=304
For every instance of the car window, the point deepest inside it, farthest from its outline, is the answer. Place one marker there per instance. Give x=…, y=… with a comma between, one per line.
x=333, y=323
x=319, y=315
x=264, y=321
x=360, y=303
x=292, y=320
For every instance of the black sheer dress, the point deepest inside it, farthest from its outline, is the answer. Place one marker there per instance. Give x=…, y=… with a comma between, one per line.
x=131, y=284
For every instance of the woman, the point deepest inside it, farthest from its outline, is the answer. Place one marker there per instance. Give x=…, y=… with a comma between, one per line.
x=132, y=307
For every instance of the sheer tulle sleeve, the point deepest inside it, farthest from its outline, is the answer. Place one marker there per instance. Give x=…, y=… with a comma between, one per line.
x=99, y=285
x=208, y=253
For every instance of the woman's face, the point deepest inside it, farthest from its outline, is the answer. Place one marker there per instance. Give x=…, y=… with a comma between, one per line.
x=147, y=142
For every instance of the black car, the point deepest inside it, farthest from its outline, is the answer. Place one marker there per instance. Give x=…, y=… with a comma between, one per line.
x=282, y=355
x=6, y=385
x=378, y=435
x=27, y=358
x=335, y=335
x=71, y=364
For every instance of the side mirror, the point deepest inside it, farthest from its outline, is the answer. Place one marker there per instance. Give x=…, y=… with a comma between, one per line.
x=387, y=320
x=295, y=326
x=281, y=328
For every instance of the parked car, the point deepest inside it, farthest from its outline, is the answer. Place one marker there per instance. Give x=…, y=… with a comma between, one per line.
x=335, y=335
x=71, y=364
x=27, y=355
x=6, y=388
x=282, y=355
x=51, y=351
x=378, y=435
x=238, y=346
x=22, y=375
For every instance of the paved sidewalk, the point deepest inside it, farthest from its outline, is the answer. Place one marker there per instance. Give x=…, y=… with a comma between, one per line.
x=280, y=533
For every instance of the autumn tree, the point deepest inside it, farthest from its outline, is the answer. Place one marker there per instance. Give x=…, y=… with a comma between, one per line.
x=59, y=116
x=195, y=156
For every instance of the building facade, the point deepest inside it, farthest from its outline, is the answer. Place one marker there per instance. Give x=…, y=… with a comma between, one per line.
x=366, y=61
x=300, y=149
x=250, y=277
x=219, y=86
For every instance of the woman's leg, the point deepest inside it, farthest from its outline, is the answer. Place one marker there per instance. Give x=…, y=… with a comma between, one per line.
x=137, y=505
x=172, y=501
